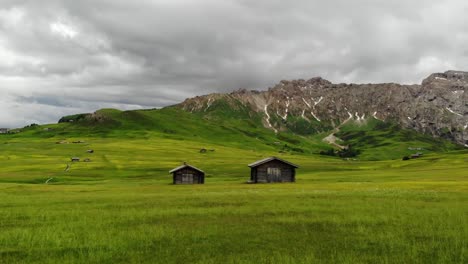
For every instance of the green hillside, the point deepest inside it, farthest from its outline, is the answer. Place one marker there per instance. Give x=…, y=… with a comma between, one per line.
x=236, y=126
x=377, y=140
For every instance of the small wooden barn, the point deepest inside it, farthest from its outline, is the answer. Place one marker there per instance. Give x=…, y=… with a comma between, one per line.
x=272, y=169
x=187, y=174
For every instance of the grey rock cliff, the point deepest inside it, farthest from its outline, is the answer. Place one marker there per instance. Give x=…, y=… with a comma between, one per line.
x=439, y=106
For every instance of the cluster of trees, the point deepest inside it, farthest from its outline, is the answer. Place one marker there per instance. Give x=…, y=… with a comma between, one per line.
x=72, y=118
x=347, y=152
x=31, y=125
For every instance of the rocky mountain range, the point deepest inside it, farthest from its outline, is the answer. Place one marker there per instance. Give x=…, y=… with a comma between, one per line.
x=438, y=106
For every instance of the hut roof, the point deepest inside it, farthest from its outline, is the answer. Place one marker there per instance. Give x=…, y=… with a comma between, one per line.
x=186, y=166
x=263, y=161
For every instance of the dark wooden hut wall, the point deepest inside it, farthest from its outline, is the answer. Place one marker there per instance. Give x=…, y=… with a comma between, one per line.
x=188, y=176
x=273, y=171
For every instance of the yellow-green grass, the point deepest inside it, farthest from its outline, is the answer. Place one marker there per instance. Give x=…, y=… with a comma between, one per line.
x=122, y=208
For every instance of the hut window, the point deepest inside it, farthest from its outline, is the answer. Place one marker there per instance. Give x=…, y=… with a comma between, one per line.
x=274, y=172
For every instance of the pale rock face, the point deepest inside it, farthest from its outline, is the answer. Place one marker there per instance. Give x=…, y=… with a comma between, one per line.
x=439, y=106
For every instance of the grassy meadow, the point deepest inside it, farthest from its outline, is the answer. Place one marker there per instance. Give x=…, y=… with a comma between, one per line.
x=122, y=208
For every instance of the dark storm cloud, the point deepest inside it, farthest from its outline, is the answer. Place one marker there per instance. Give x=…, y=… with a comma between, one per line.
x=62, y=57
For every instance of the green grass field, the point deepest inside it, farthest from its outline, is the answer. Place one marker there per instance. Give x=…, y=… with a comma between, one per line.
x=122, y=208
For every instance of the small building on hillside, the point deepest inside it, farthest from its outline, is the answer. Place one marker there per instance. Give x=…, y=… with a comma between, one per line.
x=187, y=174
x=4, y=130
x=272, y=169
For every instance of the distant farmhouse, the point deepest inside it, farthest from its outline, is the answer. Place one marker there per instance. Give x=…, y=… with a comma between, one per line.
x=272, y=169
x=4, y=130
x=187, y=174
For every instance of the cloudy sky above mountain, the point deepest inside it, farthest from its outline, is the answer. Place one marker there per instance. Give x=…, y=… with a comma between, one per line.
x=62, y=57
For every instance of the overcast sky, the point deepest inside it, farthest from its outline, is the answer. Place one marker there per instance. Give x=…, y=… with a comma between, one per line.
x=63, y=57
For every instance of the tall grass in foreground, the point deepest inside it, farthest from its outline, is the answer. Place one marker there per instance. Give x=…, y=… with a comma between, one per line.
x=235, y=223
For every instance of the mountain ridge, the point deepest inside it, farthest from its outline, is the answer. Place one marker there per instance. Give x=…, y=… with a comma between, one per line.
x=438, y=106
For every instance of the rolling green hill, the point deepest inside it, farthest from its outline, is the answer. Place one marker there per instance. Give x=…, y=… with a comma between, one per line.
x=237, y=126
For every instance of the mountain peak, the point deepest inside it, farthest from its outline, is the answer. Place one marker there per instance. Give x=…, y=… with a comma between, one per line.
x=316, y=81
x=458, y=76
x=437, y=107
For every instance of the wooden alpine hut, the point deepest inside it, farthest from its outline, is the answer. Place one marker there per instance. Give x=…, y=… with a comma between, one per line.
x=272, y=169
x=187, y=174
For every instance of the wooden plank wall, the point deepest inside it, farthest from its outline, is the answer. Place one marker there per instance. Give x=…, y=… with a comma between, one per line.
x=287, y=172
x=198, y=177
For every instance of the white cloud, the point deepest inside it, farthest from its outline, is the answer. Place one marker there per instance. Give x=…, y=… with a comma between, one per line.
x=63, y=30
